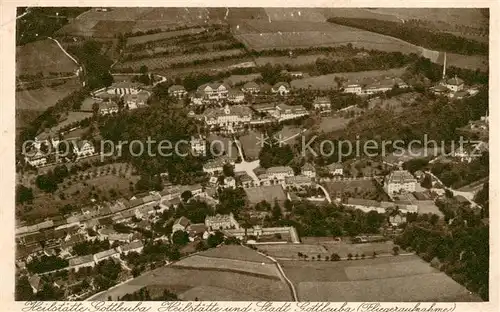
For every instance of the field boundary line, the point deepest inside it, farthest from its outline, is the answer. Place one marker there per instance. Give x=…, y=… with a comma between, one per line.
x=289, y=282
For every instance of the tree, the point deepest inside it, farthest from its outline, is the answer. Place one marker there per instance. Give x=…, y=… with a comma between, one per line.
x=24, y=292
x=349, y=256
x=228, y=170
x=395, y=250
x=215, y=239
x=427, y=181
x=143, y=69
x=180, y=238
x=276, y=211
x=186, y=195
x=24, y=194
x=335, y=257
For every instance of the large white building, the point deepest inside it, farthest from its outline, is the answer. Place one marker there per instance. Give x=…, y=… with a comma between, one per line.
x=322, y=104
x=177, y=91
x=228, y=118
x=219, y=222
x=281, y=88
x=454, y=84
x=353, y=88
x=251, y=87
x=400, y=181
x=286, y=112
x=198, y=145
x=279, y=173
x=83, y=148
x=308, y=170
x=214, y=91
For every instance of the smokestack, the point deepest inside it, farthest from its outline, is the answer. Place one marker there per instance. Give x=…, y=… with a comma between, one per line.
x=444, y=66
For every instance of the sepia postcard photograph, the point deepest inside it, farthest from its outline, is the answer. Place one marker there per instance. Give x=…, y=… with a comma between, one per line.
x=307, y=154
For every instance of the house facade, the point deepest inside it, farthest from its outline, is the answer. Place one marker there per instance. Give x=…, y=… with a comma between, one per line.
x=217, y=222
x=228, y=118
x=177, y=91
x=251, y=87
x=279, y=173
x=198, y=145
x=214, y=91
x=400, y=181
x=281, y=88
x=308, y=170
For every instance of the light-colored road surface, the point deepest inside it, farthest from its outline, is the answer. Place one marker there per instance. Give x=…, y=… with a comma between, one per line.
x=245, y=166
x=326, y=193
x=468, y=195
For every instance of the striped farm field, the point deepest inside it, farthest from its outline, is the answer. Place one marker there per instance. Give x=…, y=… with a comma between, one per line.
x=197, y=283
x=163, y=35
x=229, y=265
x=167, y=61
x=259, y=35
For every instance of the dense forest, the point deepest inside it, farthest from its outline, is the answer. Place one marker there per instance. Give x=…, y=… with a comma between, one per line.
x=40, y=22
x=158, y=123
x=461, y=249
x=96, y=64
x=416, y=35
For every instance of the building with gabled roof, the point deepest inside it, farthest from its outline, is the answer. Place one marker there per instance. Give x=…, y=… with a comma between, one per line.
x=322, y=104
x=135, y=246
x=308, y=170
x=225, y=221
x=80, y=262
x=214, y=91
x=177, y=91
x=281, y=88
x=400, y=181
x=251, y=87
x=107, y=254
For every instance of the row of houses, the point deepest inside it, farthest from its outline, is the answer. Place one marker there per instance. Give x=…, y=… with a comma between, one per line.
x=113, y=253
x=379, y=86
x=137, y=206
x=232, y=118
x=210, y=92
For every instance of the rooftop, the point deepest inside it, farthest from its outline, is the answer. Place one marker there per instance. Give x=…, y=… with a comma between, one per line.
x=279, y=169
x=182, y=221
x=132, y=246
x=81, y=260
x=401, y=176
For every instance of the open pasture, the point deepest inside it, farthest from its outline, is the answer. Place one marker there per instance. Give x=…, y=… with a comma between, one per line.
x=289, y=34
x=268, y=193
x=43, y=98
x=230, y=265
x=291, y=251
x=169, y=18
x=296, y=14
x=235, y=252
x=217, y=282
x=250, y=145
x=43, y=56
x=396, y=278
x=335, y=187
